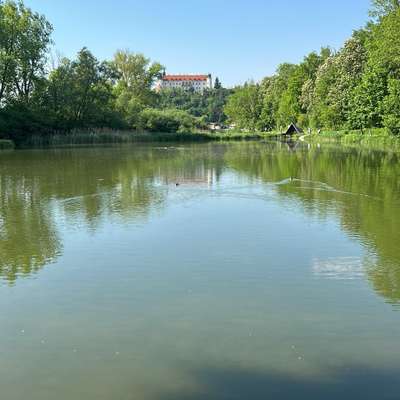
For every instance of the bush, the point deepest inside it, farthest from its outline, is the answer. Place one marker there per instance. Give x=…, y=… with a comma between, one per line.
x=171, y=120
x=18, y=122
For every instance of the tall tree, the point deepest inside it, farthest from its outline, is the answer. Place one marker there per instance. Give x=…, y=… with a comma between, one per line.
x=134, y=87
x=271, y=91
x=24, y=41
x=335, y=83
x=289, y=105
x=383, y=66
x=244, y=106
x=217, y=83
x=79, y=92
x=391, y=107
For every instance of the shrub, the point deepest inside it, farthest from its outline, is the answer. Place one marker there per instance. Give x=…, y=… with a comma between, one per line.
x=171, y=120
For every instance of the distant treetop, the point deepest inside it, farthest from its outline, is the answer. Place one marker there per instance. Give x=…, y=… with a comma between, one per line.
x=381, y=8
x=217, y=84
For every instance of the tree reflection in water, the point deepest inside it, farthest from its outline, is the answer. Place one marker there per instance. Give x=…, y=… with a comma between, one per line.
x=85, y=184
x=361, y=187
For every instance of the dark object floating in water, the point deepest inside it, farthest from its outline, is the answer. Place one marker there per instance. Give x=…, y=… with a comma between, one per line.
x=177, y=184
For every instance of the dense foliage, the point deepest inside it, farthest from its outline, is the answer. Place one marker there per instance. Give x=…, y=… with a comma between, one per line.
x=170, y=120
x=84, y=93
x=209, y=106
x=356, y=87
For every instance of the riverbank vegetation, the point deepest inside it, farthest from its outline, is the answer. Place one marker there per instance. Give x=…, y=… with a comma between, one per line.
x=115, y=136
x=355, y=88
x=377, y=138
x=108, y=136
x=41, y=96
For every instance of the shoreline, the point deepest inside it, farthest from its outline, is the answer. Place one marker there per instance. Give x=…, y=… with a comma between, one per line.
x=107, y=137
x=372, y=138
x=375, y=139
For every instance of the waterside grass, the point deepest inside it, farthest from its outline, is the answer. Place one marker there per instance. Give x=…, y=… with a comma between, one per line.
x=240, y=135
x=373, y=138
x=376, y=138
x=107, y=136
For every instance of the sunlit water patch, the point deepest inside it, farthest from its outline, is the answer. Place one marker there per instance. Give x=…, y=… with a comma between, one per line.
x=339, y=268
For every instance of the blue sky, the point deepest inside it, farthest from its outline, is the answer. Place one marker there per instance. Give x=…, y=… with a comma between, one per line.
x=236, y=40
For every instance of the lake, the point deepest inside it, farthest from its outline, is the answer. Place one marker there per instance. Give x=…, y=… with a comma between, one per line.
x=243, y=270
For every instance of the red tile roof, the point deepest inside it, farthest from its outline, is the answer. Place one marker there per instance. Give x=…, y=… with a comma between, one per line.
x=185, y=77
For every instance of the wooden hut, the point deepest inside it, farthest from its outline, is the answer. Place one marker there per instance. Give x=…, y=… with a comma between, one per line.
x=293, y=129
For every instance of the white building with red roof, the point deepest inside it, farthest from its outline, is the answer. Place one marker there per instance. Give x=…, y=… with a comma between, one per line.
x=196, y=82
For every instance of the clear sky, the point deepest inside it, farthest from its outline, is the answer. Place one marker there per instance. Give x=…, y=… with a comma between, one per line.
x=235, y=40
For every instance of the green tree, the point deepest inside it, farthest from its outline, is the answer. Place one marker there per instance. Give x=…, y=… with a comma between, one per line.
x=271, y=91
x=136, y=76
x=24, y=41
x=244, y=106
x=171, y=120
x=215, y=101
x=336, y=79
x=383, y=65
x=79, y=93
x=367, y=100
x=289, y=108
x=381, y=8
x=209, y=104
x=268, y=109
x=391, y=107
x=287, y=94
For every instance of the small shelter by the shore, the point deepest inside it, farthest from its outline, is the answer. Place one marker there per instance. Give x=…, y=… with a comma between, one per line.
x=293, y=129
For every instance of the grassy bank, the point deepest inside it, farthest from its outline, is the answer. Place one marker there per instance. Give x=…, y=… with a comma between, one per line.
x=98, y=137
x=106, y=136
x=6, y=144
x=374, y=138
x=240, y=135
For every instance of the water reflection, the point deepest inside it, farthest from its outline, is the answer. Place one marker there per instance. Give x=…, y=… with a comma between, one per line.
x=28, y=237
x=339, y=268
x=130, y=183
x=361, y=187
x=37, y=187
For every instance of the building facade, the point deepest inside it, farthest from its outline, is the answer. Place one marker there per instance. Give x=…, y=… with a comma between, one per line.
x=196, y=82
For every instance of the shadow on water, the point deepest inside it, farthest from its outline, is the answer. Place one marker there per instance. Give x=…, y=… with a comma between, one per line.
x=349, y=383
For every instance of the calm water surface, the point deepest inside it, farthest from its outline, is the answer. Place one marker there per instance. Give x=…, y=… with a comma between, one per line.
x=269, y=272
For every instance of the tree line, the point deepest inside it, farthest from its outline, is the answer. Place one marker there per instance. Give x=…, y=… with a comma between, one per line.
x=357, y=87
x=42, y=94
